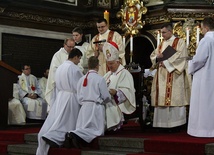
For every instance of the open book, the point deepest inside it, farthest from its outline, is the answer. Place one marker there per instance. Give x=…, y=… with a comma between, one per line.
x=167, y=53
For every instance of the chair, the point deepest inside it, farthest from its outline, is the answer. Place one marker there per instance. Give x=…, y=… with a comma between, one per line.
x=137, y=73
x=16, y=112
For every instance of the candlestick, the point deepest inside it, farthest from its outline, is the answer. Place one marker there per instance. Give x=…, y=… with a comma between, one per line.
x=187, y=36
x=124, y=42
x=131, y=43
x=106, y=16
x=158, y=38
x=197, y=35
x=131, y=48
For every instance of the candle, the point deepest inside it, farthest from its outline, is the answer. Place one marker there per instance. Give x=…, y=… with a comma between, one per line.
x=106, y=16
x=131, y=43
x=197, y=35
x=187, y=36
x=124, y=42
x=158, y=38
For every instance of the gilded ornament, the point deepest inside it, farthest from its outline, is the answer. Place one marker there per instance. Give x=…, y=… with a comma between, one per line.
x=131, y=13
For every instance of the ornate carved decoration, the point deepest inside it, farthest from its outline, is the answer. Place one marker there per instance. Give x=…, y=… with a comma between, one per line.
x=157, y=19
x=2, y=10
x=179, y=29
x=184, y=15
x=48, y=20
x=130, y=13
x=211, y=2
x=176, y=16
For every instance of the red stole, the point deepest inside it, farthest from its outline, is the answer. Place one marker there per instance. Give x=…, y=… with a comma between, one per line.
x=169, y=80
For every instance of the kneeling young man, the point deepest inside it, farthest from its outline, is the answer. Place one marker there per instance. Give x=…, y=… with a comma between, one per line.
x=92, y=94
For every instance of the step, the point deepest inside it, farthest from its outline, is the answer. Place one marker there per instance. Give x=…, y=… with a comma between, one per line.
x=105, y=152
x=31, y=138
x=209, y=149
x=107, y=146
x=22, y=149
x=121, y=144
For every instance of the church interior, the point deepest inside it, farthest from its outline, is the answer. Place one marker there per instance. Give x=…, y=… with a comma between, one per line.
x=31, y=31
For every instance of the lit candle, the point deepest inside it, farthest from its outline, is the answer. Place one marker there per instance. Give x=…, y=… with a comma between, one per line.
x=106, y=16
x=187, y=36
x=158, y=38
x=124, y=42
x=131, y=43
x=197, y=35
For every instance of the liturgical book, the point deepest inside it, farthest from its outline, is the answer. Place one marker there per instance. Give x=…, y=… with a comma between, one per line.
x=167, y=53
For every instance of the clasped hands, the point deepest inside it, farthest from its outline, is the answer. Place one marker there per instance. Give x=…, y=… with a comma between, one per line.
x=32, y=96
x=112, y=92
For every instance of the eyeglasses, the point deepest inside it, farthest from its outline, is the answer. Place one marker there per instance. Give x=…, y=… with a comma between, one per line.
x=101, y=27
x=69, y=46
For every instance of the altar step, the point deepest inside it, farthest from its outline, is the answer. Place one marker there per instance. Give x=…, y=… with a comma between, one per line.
x=107, y=146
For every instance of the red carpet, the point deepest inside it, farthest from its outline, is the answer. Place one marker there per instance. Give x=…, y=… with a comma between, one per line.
x=14, y=136
x=64, y=151
x=178, y=143
x=156, y=143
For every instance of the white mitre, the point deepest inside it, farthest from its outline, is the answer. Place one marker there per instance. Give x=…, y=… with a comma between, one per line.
x=110, y=50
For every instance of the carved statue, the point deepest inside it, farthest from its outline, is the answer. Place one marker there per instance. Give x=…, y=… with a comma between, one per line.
x=131, y=12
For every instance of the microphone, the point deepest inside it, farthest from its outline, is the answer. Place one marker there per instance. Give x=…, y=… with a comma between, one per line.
x=100, y=41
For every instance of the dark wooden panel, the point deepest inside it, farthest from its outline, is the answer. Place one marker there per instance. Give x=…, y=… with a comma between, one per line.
x=8, y=76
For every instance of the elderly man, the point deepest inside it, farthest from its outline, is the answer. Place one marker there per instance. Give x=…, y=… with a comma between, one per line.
x=58, y=58
x=30, y=95
x=121, y=87
x=96, y=49
x=170, y=88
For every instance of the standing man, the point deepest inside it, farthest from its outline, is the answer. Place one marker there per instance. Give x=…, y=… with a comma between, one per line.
x=121, y=87
x=91, y=118
x=30, y=95
x=202, y=95
x=170, y=87
x=105, y=35
x=58, y=58
x=63, y=114
x=82, y=45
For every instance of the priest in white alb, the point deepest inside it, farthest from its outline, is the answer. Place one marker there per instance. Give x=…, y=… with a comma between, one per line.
x=30, y=95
